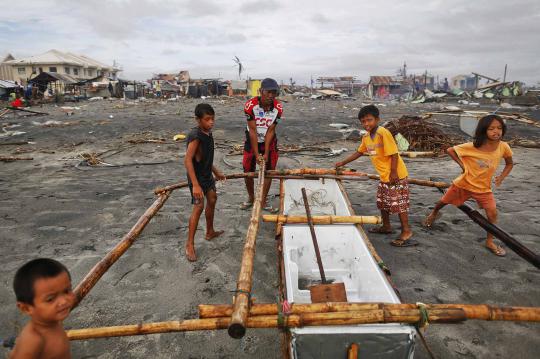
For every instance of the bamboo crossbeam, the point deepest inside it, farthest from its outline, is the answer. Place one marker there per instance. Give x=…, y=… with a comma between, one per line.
x=103, y=265
x=412, y=316
x=322, y=219
x=239, y=316
x=311, y=173
x=472, y=311
x=172, y=187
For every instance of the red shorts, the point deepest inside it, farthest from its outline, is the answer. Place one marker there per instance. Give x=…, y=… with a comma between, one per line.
x=457, y=196
x=249, y=161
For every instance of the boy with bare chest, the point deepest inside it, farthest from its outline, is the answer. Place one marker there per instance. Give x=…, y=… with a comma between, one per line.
x=43, y=290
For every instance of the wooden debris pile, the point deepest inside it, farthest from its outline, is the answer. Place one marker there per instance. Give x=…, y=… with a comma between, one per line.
x=91, y=159
x=421, y=135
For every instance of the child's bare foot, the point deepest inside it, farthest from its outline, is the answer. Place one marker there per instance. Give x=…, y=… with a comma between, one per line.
x=381, y=230
x=190, y=253
x=213, y=234
x=495, y=249
x=430, y=219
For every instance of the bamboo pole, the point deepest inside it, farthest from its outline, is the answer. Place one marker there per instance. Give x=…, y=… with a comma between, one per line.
x=414, y=154
x=282, y=296
x=326, y=219
x=172, y=187
x=237, y=327
x=103, y=265
x=310, y=173
x=279, y=225
x=412, y=316
x=472, y=311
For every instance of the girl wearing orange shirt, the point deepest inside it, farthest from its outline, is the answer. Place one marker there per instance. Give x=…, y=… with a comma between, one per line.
x=479, y=161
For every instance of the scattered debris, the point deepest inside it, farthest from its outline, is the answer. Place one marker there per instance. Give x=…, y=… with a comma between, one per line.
x=152, y=140
x=421, y=135
x=91, y=159
x=337, y=152
x=52, y=123
x=11, y=159
x=16, y=143
x=97, y=98
x=33, y=113
x=11, y=133
x=179, y=137
x=339, y=125
x=69, y=110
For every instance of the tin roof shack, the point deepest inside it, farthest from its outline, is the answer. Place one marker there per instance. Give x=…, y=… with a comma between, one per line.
x=422, y=82
x=463, y=82
x=133, y=89
x=79, y=67
x=207, y=87
x=171, y=84
x=238, y=88
x=170, y=89
x=345, y=84
x=384, y=86
x=96, y=87
x=52, y=85
x=7, y=87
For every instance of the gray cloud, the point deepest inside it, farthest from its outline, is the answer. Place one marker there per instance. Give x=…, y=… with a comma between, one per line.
x=285, y=39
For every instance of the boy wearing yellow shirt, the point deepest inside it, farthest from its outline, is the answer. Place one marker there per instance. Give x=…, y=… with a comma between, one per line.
x=393, y=189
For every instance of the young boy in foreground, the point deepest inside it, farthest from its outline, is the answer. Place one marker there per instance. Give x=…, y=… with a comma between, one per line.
x=43, y=290
x=393, y=189
x=201, y=171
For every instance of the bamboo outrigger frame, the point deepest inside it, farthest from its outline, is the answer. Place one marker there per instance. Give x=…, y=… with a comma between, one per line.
x=242, y=313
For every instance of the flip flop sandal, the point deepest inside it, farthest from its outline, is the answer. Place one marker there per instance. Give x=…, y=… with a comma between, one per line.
x=401, y=243
x=246, y=205
x=377, y=230
x=271, y=209
x=498, y=251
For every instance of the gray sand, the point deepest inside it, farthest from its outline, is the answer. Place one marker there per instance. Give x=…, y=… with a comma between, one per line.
x=51, y=208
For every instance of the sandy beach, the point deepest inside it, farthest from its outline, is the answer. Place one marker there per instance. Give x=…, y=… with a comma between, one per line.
x=57, y=206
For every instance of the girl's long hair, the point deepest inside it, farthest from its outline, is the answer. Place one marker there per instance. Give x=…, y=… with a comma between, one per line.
x=480, y=135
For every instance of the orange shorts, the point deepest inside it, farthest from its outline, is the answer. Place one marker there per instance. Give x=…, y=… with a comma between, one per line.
x=457, y=196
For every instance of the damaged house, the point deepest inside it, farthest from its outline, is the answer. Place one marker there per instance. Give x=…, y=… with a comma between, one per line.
x=79, y=67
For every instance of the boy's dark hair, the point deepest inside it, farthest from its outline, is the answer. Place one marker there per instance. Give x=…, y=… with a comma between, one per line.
x=368, y=110
x=26, y=276
x=203, y=109
x=480, y=135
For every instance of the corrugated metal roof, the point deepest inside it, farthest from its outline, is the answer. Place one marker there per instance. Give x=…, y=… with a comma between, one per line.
x=380, y=80
x=385, y=80
x=46, y=77
x=8, y=84
x=329, y=92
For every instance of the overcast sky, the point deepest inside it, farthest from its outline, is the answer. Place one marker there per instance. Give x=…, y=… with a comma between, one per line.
x=283, y=39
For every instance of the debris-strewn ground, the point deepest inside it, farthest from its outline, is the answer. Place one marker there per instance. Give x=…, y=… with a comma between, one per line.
x=59, y=206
